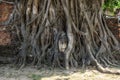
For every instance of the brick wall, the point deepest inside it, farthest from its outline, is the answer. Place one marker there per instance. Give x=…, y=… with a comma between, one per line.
x=5, y=35
x=113, y=26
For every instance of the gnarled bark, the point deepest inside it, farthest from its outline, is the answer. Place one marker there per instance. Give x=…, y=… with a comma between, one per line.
x=89, y=41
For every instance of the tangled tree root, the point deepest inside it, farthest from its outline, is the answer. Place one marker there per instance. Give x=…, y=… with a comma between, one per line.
x=64, y=33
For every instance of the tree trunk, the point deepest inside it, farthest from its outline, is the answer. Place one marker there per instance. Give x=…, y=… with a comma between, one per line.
x=43, y=23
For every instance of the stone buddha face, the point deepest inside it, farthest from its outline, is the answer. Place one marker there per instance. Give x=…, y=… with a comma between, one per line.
x=62, y=43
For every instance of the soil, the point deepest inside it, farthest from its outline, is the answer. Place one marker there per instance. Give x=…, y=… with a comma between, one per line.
x=30, y=73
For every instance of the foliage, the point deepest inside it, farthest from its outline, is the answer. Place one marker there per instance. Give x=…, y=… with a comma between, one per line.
x=111, y=5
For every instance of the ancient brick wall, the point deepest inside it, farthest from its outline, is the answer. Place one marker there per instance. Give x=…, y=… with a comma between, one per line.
x=114, y=27
x=8, y=46
x=5, y=35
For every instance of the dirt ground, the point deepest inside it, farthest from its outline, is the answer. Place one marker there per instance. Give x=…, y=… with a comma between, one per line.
x=29, y=73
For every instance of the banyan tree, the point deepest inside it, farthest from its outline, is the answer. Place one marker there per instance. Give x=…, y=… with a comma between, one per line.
x=64, y=33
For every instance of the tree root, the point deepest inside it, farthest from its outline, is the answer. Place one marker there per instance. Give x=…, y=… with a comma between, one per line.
x=106, y=70
x=88, y=36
